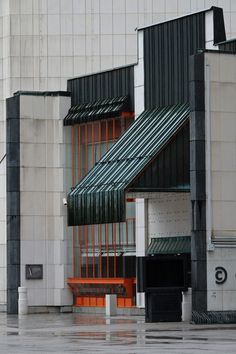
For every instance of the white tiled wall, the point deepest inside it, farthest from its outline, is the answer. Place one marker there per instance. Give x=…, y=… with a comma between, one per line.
x=139, y=77
x=221, y=196
x=169, y=214
x=221, y=297
x=223, y=143
x=44, y=233
x=50, y=40
x=141, y=234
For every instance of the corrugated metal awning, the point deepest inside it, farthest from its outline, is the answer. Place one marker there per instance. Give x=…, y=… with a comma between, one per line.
x=100, y=109
x=100, y=196
x=169, y=245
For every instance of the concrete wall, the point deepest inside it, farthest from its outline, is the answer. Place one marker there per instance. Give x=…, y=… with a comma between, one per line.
x=43, y=174
x=169, y=214
x=165, y=214
x=220, y=115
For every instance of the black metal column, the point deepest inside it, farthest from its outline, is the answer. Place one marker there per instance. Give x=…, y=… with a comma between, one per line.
x=13, y=203
x=198, y=184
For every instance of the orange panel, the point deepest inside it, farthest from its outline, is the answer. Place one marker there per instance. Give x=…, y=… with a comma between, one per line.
x=89, y=301
x=100, y=302
x=128, y=303
x=120, y=302
x=93, y=301
x=79, y=301
x=86, y=301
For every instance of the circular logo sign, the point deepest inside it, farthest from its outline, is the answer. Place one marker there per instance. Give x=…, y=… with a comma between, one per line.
x=220, y=275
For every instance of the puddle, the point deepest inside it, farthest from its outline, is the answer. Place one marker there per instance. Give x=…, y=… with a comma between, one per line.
x=12, y=333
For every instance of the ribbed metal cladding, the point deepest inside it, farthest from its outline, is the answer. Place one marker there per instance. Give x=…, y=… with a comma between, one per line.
x=167, y=48
x=108, y=84
x=228, y=46
x=100, y=196
x=169, y=245
x=171, y=169
x=101, y=109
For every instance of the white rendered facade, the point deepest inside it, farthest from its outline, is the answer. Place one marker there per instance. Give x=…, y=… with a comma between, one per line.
x=45, y=42
x=221, y=169
x=44, y=170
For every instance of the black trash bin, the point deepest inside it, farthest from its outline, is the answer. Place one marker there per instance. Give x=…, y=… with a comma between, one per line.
x=164, y=277
x=163, y=305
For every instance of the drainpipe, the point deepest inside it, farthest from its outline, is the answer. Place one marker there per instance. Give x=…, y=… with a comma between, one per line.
x=210, y=245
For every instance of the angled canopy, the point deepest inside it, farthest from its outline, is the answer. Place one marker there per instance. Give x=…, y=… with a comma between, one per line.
x=169, y=245
x=100, y=196
x=100, y=109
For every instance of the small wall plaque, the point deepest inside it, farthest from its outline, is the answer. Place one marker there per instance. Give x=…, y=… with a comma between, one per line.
x=33, y=271
x=220, y=275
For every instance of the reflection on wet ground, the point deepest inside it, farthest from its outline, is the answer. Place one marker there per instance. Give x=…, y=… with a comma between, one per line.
x=73, y=333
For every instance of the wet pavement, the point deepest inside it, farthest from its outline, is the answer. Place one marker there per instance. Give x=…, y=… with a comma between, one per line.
x=76, y=333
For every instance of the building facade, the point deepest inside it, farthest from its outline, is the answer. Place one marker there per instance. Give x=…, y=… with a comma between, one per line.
x=39, y=236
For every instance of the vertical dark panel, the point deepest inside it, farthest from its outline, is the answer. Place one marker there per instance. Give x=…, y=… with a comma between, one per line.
x=167, y=48
x=108, y=84
x=219, y=26
x=198, y=185
x=13, y=203
x=170, y=169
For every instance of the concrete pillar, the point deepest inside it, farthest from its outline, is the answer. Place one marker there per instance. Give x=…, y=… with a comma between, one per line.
x=141, y=239
x=111, y=305
x=187, y=305
x=22, y=301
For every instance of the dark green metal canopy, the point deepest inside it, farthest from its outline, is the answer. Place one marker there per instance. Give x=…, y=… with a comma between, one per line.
x=100, y=196
x=100, y=109
x=169, y=245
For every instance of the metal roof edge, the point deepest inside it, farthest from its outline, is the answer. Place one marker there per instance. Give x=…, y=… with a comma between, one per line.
x=227, y=41
x=212, y=8
x=215, y=51
x=104, y=71
x=42, y=93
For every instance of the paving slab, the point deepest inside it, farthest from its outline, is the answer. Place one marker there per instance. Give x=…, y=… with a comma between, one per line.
x=81, y=333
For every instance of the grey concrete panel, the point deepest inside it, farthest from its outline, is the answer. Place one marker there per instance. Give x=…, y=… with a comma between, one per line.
x=13, y=130
x=200, y=277
x=13, y=273
x=197, y=99
x=13, y=255
x=12, y=301
x=198, y=215
x=13, y=179
x=13, y=154
x=199, y=300
x=196, y=64
x=13, y=203
x=197, y=154
x=198, y=246
x=197, y=183
x=13, y=107
x=13, y=227
x=197, y=126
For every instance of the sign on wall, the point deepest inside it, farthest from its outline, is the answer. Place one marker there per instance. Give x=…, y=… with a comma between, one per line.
x=220, y=275
x=33, y=271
